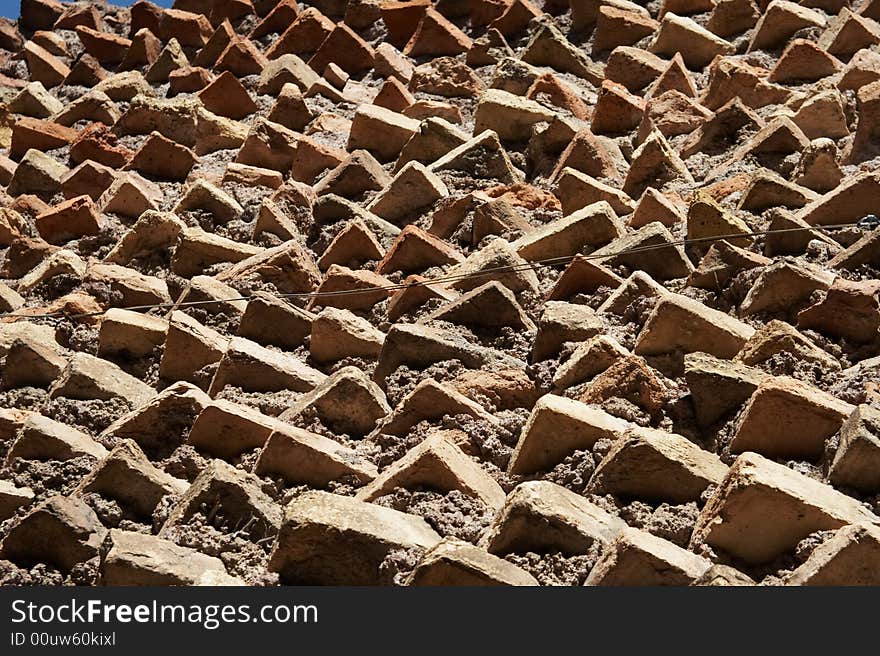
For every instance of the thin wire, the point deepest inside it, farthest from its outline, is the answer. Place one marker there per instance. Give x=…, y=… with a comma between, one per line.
x=511, y=268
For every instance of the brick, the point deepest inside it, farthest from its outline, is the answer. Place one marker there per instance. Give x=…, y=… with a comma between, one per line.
x=697, y=45
x=556, y=428
x=767, y=189
x=347, y=402
x=674, y=77
x=654, y=162
x=305, y=34
x=823, y=115
x=41, y=438
x=380, y=131
x=661, y=263
x=620, y=27
x=678, y=323
x=718, y=386
x=190, y=29
x=848, y=33
x=269, y=320
x=576, y=190
x=779, y=337
x=803, y=61
x=202, y=195
x=61, y=531
x=188, y=79
x=730, y=17
x=87, y=179
x=269, y=145
x=818, y=167
x=438, y=464
x=862, y=69
x=144, y=50
x=43, y=66
x=847, y=203
x=189, y=347
x=429, y=401
x=159, y=425
x=510, y=117
x=761, y=510
x=455, y=562
x=152, y=231
x=88, y=377
x=138, y=559
x=367, y=289
x=483, y=155
x=562, y=322
x=654, y=465
x=255, y=368
x=850, y=310
x=126, y=475
x=632, y=379
x=290, y=109
x=424, y=345
x=505, y=389
x=706, y=219
x=71, y=219
x=107, y=48
x=549, y=47
x=34, y=101
x=435, y=35
x=541, y=516
x=288, y=266
x=414, y=296
x=338, y=333
x=417, y=250
x=730, y=78
x=12, y=498
x=345, y=48
x=124, y=86
x=134, y=287
x=252, y=176
x=722, y=129
x=59, y=262
x=637, y=558
x=864, y=251
x=225, y=96
x=672, y=113
x=354, y=176
x=632, y=67
x=593, y=225
x=225, y=429
x=170, y=59
x=848, y=557
x=277, y=19
x=783, y=285
x=130, y=334
x=780, y=20
x=354, y=244
x=489, y=305
x=617, y=111
x=173, y=118
x=242, y=502
x=336, y=540
x=217, y=133
x=413, y=189
x=37, y=173
x=162, y=158
x=96, y=142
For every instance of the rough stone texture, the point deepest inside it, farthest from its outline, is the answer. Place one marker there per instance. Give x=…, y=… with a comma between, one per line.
x=583, y=253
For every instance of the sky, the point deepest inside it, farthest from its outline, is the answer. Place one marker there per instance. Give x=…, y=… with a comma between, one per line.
x=10, y=8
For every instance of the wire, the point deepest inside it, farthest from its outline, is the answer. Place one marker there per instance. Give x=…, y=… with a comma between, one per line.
x=448, y=278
